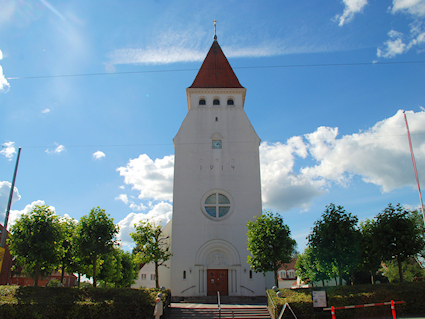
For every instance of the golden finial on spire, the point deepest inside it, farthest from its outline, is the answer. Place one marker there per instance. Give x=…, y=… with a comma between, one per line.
x=215, y=29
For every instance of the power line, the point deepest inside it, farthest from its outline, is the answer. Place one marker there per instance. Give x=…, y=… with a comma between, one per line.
x=185, y=70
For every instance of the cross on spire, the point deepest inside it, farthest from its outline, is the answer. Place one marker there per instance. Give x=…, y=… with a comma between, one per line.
x=215, y=29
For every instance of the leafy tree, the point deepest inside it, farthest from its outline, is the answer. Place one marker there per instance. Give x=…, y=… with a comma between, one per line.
x=96, y=237
x=35, y=240
x=111, y=266
x=370, y=260
x=151, y=245
x=269, y=243
x=129, y=270
x=397, y=235
x=68, y=229
x=334, y=240
x=409, y=267
x=309, y=268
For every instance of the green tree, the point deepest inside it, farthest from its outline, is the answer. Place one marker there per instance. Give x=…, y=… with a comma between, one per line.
x=35, y=240
x=397, y=236
x=68, y=229
x=151, y=245
x=309, y=268
x=335, y=240
x=129, y=270
x=409, y=267
x=111, y=267
x=269, y=243
x=370, y=258
x=96, y=237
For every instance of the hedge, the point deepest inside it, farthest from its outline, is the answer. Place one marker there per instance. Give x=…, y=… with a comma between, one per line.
x=69, y=303
x=300, y=300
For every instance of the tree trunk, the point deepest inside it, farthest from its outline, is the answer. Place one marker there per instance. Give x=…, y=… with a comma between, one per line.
x=340, y=275
x=400, y=271
x=156, y=276
x=79, y=277
x=94, y=271
x=36, y=274
x=276, y=280
x=63, y=272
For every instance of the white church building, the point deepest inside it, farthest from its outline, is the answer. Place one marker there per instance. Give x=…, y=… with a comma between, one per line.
x=217, y=189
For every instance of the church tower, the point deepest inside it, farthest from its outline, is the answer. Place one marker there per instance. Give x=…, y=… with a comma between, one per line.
x=217, y=187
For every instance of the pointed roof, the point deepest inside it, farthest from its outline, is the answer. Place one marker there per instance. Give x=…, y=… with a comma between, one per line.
x=216, y=71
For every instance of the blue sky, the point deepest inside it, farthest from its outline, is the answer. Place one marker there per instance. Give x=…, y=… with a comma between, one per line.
x=94, y=93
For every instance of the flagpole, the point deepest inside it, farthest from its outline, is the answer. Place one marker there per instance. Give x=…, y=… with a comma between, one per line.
x=6, y=219
x=414, y=164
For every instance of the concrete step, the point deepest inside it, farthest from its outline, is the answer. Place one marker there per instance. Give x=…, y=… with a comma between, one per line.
x=223, y=299
x=227, y=312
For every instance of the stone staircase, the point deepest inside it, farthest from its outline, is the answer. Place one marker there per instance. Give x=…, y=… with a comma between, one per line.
x=186, y=311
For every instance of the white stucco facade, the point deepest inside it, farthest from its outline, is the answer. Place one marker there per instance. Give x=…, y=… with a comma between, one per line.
x=217, y=190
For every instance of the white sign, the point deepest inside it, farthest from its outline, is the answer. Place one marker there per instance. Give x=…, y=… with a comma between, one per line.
x=319, y=299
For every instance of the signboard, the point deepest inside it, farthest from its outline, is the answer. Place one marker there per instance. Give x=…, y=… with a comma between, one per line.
x=319, y=299
x=2, y=250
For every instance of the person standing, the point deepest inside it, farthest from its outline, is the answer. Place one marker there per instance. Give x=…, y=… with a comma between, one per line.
x=158, y=308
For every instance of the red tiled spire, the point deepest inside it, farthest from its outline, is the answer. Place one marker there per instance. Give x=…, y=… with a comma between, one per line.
x=216, y=71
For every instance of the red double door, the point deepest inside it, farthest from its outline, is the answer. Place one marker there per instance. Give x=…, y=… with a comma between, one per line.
x=217, y=281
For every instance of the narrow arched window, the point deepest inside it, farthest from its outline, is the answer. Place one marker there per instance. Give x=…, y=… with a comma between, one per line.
x=202, y=102
x=184, y=274
x=250, y=274
x=230, y=102
x=216, y=102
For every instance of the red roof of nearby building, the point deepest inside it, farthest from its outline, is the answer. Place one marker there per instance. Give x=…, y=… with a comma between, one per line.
x=290, y=265
x=216, y=71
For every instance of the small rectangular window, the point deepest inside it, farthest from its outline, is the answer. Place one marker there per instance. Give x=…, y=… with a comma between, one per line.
x=143, y=276
x=152, y=276
x=184, y=274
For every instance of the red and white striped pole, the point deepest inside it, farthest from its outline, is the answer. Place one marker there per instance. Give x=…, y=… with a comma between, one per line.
x=414, y=165
x=333, y=312
x=393, y=309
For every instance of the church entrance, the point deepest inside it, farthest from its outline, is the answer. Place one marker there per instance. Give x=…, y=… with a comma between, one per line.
x=217, y=281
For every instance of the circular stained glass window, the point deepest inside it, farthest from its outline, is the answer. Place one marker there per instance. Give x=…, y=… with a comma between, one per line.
x=216, y=205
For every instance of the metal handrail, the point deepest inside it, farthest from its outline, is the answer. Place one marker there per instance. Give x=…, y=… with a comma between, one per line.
x=188, y=288
x=219, y=305
x=247, y=289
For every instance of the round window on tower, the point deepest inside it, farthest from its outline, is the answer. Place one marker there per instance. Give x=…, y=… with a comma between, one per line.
x=217, y=204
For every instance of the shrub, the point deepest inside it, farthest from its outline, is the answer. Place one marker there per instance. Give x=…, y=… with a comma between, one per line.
x=65, y=302
x=300, y=300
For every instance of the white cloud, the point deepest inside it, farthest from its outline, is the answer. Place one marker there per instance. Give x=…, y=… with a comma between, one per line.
x=45, y=111
x=351, y=8
x=98, y=155
x=399, y=43
x=395, y=45
x=413, y=7
x=282, y=188
x=15, y=214
x=380, y=155
x=4, y=85
x=123, y=198
x=154, y=179
x=8, y=149
x=159, y=213
x=4, y=198
x=59, y=149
